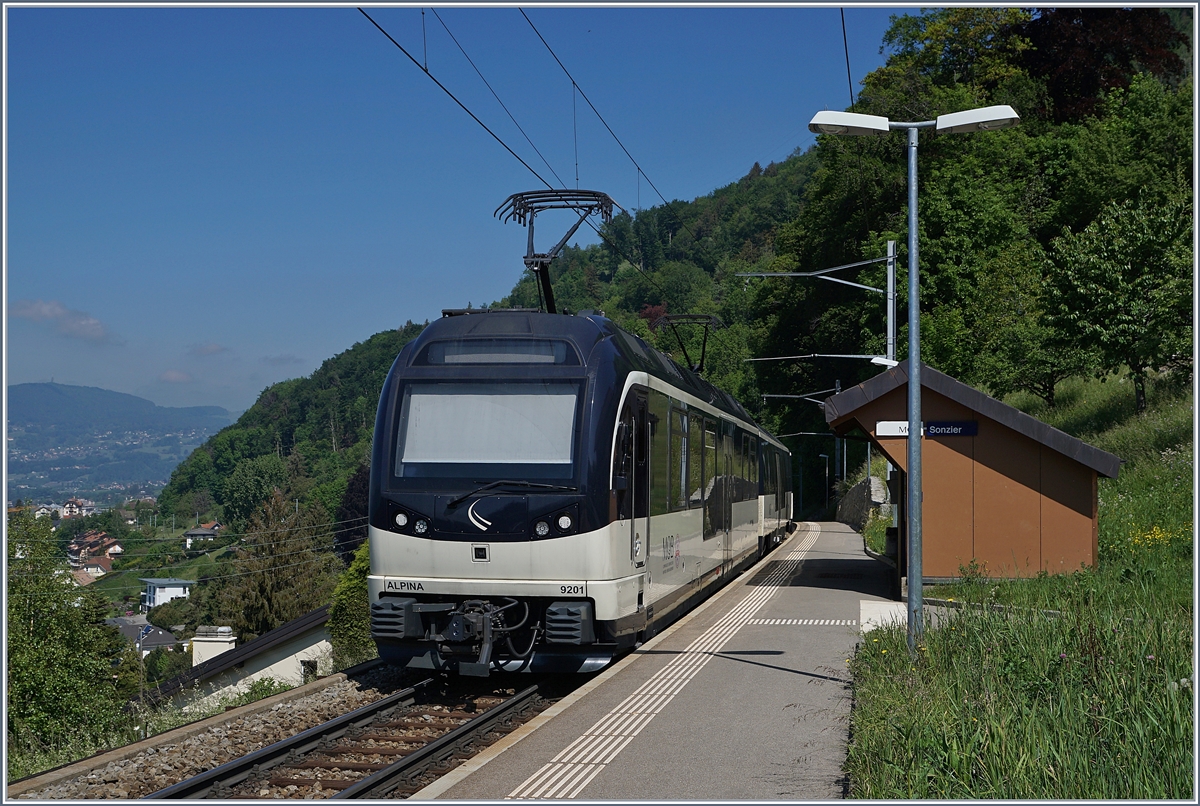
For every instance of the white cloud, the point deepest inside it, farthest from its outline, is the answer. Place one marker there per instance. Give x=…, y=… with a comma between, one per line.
x=75, y=324
x=207, y=349
x=175, y=376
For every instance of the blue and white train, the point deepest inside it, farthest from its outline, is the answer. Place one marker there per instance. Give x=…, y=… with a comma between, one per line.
x=548, y=490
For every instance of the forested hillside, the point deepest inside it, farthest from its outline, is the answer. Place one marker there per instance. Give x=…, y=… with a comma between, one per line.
x=1058, y=248
x=305, y=436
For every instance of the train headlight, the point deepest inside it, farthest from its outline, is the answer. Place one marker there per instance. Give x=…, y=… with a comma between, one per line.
x=421, y=526
x=541, y=528
x=564, y=522
x=401, y=519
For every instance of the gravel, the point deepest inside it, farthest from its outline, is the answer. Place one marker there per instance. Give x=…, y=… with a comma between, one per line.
x=162, y=766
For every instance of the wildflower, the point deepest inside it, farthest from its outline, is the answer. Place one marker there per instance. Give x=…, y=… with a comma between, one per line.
x=885, y=652
x=876, y=640
x=1149, y=657
x=1062, y=656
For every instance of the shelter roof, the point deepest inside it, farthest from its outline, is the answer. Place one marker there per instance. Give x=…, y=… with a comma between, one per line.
x=840, y=408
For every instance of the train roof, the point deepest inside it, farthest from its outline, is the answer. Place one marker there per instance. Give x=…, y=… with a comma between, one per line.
x=586, y=331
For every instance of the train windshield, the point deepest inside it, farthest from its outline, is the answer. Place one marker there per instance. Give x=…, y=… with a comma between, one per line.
x=487, y=430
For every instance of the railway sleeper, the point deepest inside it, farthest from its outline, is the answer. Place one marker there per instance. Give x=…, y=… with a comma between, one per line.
x=330, y=764
x=370, y=751
x=307, y=783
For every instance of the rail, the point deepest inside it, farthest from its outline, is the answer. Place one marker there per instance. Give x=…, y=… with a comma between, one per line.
x=214, y=782
x=383, y=782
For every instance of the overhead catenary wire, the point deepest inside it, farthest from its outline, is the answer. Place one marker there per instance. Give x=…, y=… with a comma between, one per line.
x=846, y=47
x=316, y=536
x=454, y=98
x=507, y=148
x=575, y=86
x=479, y=73
x=320, y=558
x=357, y=521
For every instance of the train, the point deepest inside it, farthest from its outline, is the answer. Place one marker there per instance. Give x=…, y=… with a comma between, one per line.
x=548, y=490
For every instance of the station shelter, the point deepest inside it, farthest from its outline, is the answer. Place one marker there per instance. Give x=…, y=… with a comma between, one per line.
x=999, y=487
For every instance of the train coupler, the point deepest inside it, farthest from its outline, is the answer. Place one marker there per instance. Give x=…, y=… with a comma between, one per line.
x=468, y=631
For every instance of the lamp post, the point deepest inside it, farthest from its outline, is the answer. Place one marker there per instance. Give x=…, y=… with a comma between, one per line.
x=852, y=123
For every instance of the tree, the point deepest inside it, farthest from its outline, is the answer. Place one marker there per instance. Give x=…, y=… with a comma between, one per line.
x=286, y=568
x=1123, y=287
x=252, y=483
x=953, y=45
x=1083, y=53
x=352, y=512
x=1020, y=351
x=59, y=675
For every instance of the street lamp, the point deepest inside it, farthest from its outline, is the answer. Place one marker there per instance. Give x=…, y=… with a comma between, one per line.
x=987, y=118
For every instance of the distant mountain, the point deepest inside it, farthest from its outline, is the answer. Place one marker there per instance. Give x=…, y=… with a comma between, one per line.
x=79, y=439
x=88, y=408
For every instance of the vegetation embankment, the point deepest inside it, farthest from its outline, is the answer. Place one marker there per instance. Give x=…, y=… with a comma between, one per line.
x=1070, y=686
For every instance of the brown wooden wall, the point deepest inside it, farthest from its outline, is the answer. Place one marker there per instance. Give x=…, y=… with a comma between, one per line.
x=1013, y=504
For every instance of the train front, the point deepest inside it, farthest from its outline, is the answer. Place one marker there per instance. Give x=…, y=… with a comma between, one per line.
x=487, y=550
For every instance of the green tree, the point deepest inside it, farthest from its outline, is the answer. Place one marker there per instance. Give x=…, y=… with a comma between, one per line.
x=1123, y=287
x=1020, y=350
x=59, y=674
x=163, y=664
x=286, y=568
x=252, y=483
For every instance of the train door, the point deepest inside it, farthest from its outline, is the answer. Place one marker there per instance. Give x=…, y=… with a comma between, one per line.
x=726, y=458
x=631, y=477
x=640, y=540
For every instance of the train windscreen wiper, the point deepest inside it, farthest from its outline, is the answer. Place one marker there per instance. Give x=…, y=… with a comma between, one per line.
x=509, y=483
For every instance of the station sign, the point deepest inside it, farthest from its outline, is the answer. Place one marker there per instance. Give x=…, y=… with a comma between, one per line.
x=943, y=428
x=952, y=428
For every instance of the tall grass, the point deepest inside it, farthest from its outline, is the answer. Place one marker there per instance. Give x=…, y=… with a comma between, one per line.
x=1071, y=686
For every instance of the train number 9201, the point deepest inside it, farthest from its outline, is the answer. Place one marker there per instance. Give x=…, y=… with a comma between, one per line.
x=571, y=589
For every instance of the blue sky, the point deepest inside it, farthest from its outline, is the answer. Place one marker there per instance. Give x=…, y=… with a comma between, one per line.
x=204, y=201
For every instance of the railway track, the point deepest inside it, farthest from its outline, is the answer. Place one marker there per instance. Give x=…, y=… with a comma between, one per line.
x=389, y=748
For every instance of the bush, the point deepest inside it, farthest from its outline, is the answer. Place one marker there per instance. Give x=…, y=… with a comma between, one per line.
x=350, y=614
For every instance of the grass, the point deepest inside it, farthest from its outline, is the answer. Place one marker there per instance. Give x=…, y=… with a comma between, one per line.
x=25, y=759
x=1076, y=686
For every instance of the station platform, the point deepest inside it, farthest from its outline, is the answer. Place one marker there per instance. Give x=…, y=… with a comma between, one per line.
x=746, y=698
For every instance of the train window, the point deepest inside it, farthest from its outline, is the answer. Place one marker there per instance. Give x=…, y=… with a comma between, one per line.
x=710, y=456
x=660, y=488
x=677, y=477
x=498, y=351
x=451, y=429
x=753, y=465
x=739, y=467
x=695, y=461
